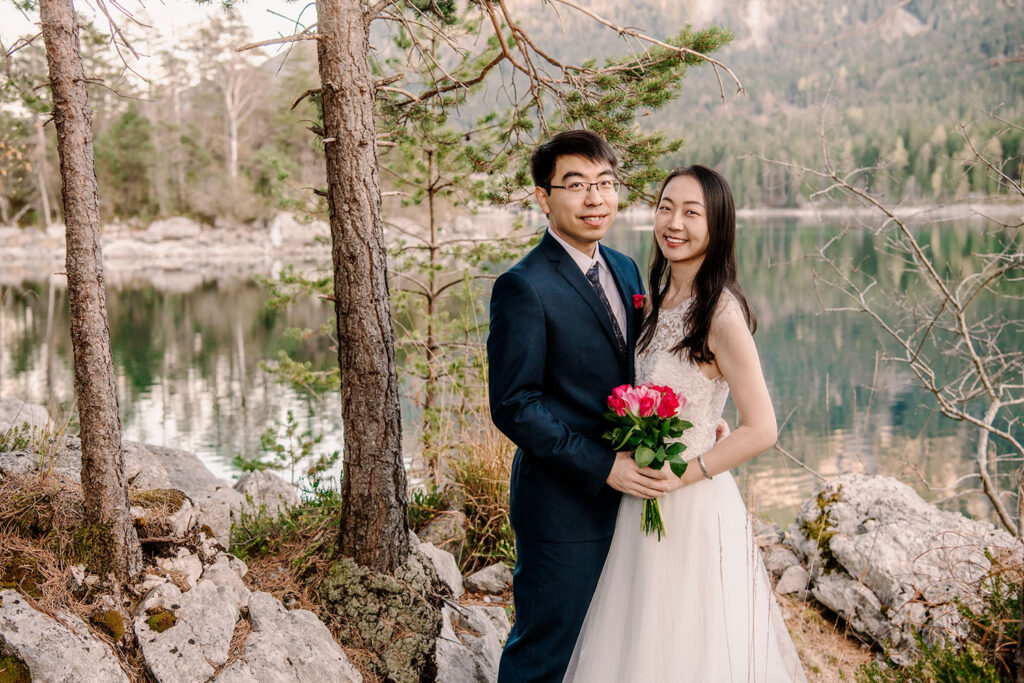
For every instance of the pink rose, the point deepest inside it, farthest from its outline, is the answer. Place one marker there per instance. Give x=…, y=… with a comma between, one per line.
x=669, y=405
x=617, y=405
x=632, y=401
x=647, y=406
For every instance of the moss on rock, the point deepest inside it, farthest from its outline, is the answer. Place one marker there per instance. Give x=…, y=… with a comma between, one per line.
x=821, y=530
x=160, y=619
x=13, y=670
x=22, y=573
x=396, y=618
x=111, y=621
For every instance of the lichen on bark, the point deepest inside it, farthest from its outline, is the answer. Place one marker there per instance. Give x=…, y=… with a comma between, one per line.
x=396, y=618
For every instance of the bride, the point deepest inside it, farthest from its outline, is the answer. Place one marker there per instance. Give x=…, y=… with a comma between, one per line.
x=697, y=605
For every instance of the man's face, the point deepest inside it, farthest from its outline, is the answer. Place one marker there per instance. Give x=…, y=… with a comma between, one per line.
x=583, y=218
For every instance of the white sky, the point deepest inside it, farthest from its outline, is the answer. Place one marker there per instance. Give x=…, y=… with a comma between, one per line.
x=170, y=17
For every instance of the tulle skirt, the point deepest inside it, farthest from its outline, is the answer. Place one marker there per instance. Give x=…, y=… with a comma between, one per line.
x=695, y=606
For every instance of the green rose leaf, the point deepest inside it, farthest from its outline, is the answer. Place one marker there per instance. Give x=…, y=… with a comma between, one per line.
x=644, y=456
x=676, y=448
x=677, y=464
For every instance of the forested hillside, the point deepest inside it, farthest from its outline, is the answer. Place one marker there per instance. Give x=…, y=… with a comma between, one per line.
x=212, y=135
x=890, y=79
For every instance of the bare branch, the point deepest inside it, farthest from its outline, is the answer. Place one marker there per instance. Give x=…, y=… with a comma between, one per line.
x=298, y=37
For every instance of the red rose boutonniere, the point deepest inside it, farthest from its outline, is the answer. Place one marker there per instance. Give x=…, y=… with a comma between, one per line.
x=638, y=301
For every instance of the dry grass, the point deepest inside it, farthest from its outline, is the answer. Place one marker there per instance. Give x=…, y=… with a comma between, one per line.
x=38, y=516
x=829, y=651
x=481, y=468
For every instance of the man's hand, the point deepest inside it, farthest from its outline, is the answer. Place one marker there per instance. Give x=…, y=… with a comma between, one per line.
x=722, y=429
x=626, y=476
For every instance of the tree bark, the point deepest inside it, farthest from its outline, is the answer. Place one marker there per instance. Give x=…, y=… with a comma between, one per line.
x=44, y=194
x=103, y=484
x=374, y=528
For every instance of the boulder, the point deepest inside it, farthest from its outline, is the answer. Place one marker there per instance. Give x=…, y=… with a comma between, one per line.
x=767, y=533
x=288, y=646
x=185, y=636
x=184, y=563
x=446, y=567
x=154, y=467
x=446, y=531
x=175, y=228
x=268, y=490
x=162, y=512
x=470, y=642
x=794, y=580
x=54, y=650
x=16, y=413
x=285, y=228
x=494, y=580
x=779, y=558
x=890, y=563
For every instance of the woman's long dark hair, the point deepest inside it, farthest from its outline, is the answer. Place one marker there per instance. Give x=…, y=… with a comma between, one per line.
x=716, y=274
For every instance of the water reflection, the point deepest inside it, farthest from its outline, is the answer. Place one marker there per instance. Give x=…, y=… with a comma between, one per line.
x=187, y=352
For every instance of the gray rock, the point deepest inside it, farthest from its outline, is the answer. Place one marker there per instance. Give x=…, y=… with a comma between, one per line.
x=446, y=531
x=198, y=641
x=177, y=524
x=446, y=567
x=153, y=467
x=767, y=533
x=778, y=558
x=174, y=228
x=288, y=646
x=494, y=580
x=888, y=562
x=60, y=652
x=267, y=489
x=286, y=228
x=184, y=563
x=794, y=580
x=16, y=413
x=470, y=642
x=227, y=572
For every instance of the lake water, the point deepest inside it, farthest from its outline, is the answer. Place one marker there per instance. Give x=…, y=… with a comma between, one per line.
x=188, y=360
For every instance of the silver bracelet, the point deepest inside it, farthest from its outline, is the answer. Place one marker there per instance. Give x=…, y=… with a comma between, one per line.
x=703, y=467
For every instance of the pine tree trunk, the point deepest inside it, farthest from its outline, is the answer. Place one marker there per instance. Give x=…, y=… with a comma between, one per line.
x=103, y=483
x=374, y=528
x=44, y=194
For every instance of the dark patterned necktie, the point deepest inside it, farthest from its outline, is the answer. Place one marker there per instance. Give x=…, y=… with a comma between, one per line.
x=595, y=281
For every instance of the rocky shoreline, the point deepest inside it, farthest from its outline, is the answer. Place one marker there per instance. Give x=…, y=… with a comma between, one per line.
x=866, y=548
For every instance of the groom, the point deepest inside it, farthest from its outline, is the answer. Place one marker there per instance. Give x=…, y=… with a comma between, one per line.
x=564, y=321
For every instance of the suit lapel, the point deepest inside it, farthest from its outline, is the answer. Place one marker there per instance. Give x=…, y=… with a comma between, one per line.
x=568, y=269
x=622, y=284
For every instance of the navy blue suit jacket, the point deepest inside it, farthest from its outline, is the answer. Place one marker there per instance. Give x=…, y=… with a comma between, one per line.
x=553, y=362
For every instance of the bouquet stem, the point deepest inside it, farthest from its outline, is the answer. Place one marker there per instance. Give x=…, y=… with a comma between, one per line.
x=650, y=518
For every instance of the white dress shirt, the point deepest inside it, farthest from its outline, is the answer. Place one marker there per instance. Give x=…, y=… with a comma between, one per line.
x=611, y=290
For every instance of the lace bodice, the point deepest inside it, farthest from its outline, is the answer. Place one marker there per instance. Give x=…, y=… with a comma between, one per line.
x=705, y=398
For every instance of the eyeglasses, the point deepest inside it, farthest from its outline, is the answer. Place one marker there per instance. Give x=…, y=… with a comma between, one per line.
x=605, y=187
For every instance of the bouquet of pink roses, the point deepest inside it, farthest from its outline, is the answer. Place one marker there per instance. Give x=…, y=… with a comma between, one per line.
x=645, y=416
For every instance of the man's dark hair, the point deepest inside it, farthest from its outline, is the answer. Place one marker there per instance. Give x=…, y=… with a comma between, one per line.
x=582, y=143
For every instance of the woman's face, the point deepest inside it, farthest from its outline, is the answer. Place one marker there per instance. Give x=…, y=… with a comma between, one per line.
x=681, y=221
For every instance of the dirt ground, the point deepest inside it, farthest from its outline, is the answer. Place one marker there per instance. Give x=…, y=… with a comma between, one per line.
x=826, y=649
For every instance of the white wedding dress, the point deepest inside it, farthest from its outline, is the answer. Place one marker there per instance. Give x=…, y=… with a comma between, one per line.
x=697, y=605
